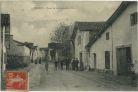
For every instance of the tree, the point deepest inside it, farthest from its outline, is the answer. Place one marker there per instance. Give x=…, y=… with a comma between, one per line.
x=61, y=35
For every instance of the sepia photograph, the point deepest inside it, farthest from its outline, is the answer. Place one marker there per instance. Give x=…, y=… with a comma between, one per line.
x=68, y=45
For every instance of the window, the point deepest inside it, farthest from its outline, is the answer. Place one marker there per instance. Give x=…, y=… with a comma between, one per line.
x=107, y=36
x=133, y=18
x=79, y=40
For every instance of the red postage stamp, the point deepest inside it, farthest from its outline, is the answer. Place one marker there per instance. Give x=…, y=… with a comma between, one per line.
x=16, y=80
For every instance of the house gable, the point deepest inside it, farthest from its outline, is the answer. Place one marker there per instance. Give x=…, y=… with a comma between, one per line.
x=109, y=22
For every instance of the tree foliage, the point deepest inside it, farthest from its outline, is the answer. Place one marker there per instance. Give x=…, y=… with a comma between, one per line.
x=61, y=34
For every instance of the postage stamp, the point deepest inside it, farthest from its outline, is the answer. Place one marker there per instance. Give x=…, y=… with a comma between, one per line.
x=16, y=80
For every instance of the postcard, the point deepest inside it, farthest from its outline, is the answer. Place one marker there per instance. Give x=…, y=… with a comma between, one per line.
x=68, y=45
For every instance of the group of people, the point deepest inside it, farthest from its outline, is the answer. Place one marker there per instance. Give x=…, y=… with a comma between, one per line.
x=74, y=64
x=70, y=64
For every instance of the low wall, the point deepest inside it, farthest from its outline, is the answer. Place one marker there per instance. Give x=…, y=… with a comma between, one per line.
x=14, y=61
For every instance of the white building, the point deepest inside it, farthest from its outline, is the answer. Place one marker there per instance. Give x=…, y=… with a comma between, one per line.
x=81, y=33
x=115, y=47
x=98, y=50
x=18, y=48
x=18, y=54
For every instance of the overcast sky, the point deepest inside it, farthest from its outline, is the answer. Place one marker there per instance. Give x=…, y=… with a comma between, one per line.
x=34, y=21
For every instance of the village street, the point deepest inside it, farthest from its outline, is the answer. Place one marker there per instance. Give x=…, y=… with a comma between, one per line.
x=79, y=81
x=69, y=46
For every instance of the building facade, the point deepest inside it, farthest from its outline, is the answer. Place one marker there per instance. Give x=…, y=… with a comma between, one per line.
x=18, y=55
x=81, y=34
x=81, y=40
x=55, y=51
x=101, y=51
x=115, y=47
x=125, y=40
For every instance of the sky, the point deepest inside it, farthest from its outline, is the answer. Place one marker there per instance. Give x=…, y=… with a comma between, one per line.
x=35, y=21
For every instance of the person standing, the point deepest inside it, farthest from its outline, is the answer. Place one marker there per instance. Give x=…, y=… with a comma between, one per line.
x=73, y=64
x=39, y=60
x=62, y=63
x=67, y=63
x=56, y=64
x=46, y=65
x=76, y=64
x=36, y=61
x=81, y=66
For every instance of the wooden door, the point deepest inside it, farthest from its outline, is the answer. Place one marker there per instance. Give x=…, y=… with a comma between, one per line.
x=123, y=60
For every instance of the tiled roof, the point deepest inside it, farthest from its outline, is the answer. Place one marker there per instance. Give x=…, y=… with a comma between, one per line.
x=21, y=43
x=87, y=26
x=27, y=44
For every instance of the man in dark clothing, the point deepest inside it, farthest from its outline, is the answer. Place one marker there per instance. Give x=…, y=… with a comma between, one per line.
x=67, y=64
x=56, y=64
x=46, y=65
x=81, y=66
x=62, y=63
x=35, y=61
x=73, y=64
x=40, y=61
x=76, y=64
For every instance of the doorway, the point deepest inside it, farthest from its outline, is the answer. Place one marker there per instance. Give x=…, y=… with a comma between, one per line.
x=94, y=55
x=123, y=60
x=107, y=59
